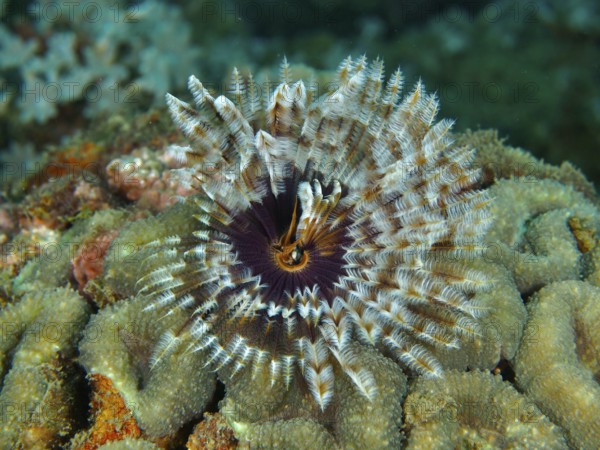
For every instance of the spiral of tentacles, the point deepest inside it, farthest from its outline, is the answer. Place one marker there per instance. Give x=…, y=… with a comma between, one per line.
x=344, y=217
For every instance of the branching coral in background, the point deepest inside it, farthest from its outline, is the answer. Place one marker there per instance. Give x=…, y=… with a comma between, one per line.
x=65, y=63
x=102, y=52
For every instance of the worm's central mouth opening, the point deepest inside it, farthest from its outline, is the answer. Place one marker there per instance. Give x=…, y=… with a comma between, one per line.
x=295, y=243
x=291, y=257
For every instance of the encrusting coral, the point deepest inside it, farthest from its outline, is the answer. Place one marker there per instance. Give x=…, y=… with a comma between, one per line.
x=500, y=162
x=150, y=178
x=55, y=262
x=361, y=424
x=39, y=390
x=475, y=410
x=163, y=393
x=558, y=364
x=212, y=432
x=110, y=419
x=332, y=223
x=546, y=217
x=293, y=434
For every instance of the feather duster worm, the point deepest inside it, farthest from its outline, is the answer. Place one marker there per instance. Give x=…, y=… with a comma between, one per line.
x=321, y=221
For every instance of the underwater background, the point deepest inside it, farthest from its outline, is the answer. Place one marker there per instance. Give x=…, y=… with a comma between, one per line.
x=91, y=189
x=527, y=68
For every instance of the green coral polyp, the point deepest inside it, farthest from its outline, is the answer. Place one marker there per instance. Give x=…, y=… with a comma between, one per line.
x=162, y=395
x=39, y=396
x=475, y=410
x=558, y=364
x=274, y=417
x=532, y=237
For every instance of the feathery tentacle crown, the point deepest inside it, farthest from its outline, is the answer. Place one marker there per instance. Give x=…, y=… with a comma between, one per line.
x=343, y=218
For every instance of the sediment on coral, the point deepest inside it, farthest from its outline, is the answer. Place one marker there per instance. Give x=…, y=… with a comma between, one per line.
x=475, y=410
x=558, y=363
x=40, y=384
x=161, y=382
